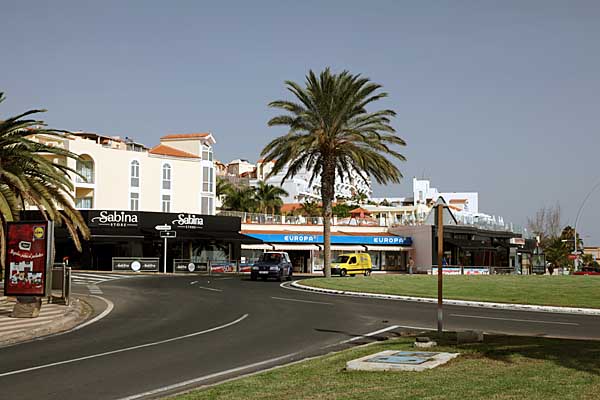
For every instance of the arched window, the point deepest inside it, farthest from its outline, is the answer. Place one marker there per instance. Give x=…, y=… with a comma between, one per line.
x=135, y=174
x=166, y=177
x=207, y=153
x=85, y=168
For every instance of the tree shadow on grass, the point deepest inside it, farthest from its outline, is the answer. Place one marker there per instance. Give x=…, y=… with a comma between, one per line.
x=579, y=355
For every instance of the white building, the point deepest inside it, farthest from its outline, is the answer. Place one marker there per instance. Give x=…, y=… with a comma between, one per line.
x=118, y=174
x=300, y=189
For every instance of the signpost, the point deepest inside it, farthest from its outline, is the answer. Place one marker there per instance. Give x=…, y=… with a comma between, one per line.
x=165, y=232
x=440, y=257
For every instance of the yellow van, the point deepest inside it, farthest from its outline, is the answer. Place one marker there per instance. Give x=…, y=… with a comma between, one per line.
x=352, y=264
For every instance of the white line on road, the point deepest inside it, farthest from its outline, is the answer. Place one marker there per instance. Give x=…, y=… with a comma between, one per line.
x=207, y=288
x=302, y=301
x=109, y=308
x=205, y=378
x=193, y=283
x=515, y=320
x=389, y=328
x=141, y=346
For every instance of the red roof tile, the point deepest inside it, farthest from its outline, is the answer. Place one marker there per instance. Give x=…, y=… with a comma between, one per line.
x=163, y=150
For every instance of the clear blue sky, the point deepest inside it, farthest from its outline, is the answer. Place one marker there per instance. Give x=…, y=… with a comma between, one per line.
x=496, y=97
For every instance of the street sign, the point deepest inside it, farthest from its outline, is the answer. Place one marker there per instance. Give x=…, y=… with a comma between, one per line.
x=163, y=227
x=168, y=234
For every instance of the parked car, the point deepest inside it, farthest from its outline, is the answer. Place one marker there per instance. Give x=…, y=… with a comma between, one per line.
x=272, y=264
x=588, y=271
x=352, y=264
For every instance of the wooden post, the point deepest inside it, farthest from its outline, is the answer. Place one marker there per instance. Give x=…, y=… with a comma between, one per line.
x=440, y=234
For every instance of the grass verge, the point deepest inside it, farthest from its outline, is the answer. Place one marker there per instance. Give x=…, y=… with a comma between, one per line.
x=566, y=291
x=502, y=367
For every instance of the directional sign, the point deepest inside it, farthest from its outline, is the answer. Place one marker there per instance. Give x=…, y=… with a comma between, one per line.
x=168, y=234
x=163, y=227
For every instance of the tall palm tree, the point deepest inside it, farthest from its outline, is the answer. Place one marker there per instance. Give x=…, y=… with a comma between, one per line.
x=29, y=176
x=331, y=132
x=268, y=197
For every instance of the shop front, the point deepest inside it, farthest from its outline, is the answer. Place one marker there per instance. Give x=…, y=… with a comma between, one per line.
x=130, y=234
x=388, y=252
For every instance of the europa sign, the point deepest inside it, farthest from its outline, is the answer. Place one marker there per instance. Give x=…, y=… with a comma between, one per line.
x=28, y=246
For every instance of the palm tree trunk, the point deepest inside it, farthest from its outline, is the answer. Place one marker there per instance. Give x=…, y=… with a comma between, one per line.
x=327, y=191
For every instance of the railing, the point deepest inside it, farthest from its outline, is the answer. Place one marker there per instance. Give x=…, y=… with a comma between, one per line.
x=274, y=219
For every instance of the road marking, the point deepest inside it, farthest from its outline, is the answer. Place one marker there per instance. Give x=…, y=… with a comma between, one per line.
x=109, y=307
x=193, y=283
x=205, y=378
x=515, y=320
x=141, y=346
x=302, y=301
x=207, y=288
x=389, y=328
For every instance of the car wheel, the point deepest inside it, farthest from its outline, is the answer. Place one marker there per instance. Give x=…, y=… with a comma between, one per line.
x=367, y=272
x=280, y=276
x=289, y=277
x=343, y=272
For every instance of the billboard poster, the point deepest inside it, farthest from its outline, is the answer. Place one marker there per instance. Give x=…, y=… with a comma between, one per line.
x=28, y=246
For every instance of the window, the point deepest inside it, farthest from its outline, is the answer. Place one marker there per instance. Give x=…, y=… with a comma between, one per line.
x=135, y=174
x=86, y=169
x=134, y=201
x=207, y=179
x=166, y=177
x=83, y=202
x=207, y=152
x=166, y=203
x=206, y=205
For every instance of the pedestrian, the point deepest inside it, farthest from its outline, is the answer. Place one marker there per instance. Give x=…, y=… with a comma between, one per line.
x=411, y=265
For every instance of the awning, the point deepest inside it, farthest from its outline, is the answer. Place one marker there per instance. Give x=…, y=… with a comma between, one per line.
x=261, y=246
x=347, y=247
x=292, y=246
x=388, y=248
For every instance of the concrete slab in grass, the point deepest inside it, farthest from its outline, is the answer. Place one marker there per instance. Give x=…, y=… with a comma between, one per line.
x=394, y=360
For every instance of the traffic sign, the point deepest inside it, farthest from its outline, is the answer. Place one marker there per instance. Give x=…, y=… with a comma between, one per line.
x=168, y=234
x=163, y=227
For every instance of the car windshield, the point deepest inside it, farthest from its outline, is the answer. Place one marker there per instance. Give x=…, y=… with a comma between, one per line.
x=270, y=257
x=341, y=259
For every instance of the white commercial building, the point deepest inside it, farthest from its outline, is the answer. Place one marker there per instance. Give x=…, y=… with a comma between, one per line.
x=178, y=175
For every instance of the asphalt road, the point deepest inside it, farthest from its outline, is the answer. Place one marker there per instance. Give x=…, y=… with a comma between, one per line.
x=166, y=334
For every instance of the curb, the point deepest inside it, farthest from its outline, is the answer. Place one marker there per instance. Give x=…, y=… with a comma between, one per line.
x=464, y=303
x=77, y=312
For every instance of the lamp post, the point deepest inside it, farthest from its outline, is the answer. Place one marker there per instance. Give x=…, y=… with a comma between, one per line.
x=592, y=190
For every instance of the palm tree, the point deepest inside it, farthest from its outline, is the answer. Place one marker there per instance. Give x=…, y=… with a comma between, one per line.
x=311, y=208
x=331, y=132
x=268, y=197
x=30, y=176
x=240, y=199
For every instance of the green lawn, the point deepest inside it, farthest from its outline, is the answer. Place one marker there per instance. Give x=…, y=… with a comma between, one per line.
x=501, y=368
x=569, y=291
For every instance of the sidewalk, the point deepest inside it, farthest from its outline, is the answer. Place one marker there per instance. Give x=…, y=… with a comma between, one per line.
x=53, y=318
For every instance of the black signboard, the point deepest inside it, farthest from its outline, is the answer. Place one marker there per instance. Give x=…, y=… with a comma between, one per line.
x=135, y=264
x=135, y=221
x=185, y=266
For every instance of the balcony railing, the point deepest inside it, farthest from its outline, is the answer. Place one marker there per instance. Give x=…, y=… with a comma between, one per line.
x=274, y=219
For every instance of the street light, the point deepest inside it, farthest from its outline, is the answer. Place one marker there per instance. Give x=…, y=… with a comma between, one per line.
x=596, y=186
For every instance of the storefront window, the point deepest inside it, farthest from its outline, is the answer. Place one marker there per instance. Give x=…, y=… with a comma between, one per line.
x=204, y=252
